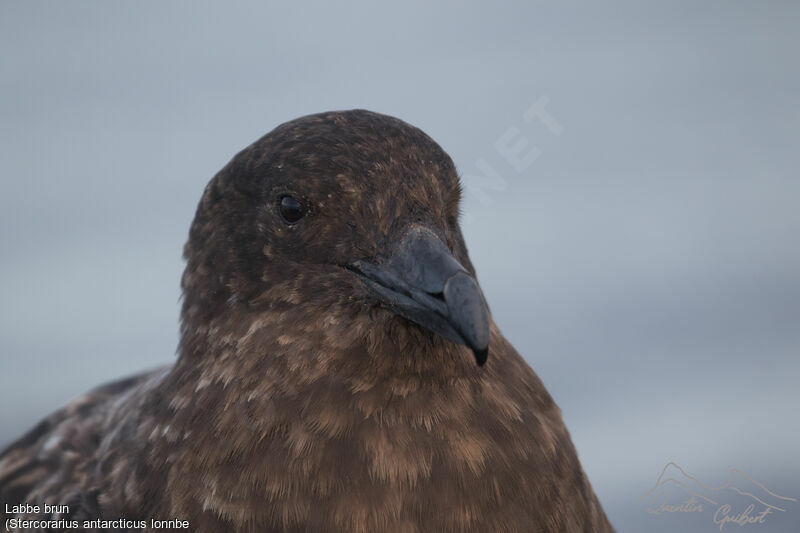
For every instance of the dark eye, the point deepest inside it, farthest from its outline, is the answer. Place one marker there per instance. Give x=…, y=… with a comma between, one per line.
x=291, y=209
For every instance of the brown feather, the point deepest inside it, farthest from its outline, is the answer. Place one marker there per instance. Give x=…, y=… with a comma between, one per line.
x=297, y=403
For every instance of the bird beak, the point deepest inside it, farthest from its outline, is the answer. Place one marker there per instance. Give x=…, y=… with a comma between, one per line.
x=424, y=283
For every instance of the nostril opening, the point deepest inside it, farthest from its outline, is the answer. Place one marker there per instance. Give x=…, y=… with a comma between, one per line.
x=438, y=295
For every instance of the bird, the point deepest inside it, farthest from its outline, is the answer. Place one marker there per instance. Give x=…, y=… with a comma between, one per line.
x=338, y=368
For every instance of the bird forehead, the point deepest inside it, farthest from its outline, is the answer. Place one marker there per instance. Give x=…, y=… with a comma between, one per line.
x=367, y=146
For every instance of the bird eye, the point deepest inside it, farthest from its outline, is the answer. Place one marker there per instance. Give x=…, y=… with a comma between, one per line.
x=291, y=209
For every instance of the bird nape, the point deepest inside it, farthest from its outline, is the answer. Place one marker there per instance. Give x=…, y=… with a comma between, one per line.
x=326, y=377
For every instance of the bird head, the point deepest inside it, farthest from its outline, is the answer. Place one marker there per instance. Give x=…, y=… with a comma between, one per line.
x=352, y=212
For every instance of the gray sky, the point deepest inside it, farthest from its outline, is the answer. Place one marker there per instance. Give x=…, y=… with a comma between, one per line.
x=644, y=258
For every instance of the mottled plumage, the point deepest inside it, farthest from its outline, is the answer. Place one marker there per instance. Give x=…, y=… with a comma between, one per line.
x=307, y=396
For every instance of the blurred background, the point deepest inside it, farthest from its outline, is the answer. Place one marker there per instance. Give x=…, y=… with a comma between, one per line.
x=631, y=202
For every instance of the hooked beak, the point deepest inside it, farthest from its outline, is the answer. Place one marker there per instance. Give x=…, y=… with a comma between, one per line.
x=424, y=283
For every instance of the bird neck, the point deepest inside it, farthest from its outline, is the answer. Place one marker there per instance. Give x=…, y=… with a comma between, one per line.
x=288, y=344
